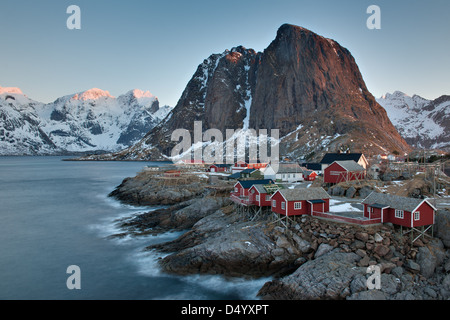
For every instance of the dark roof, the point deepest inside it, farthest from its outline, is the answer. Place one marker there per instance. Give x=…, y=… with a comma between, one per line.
x=312, y=166
x=316, y=201
x=261, y=188
x=379, y=206
x=248, y=170
x=376, y=199
x=247, y=184
x=236, y=175
x=329, y=158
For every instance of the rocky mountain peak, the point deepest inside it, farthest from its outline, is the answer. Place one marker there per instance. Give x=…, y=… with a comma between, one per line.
x=306, y=86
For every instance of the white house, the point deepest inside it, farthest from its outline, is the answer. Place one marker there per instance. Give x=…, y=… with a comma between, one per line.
x=287, y=172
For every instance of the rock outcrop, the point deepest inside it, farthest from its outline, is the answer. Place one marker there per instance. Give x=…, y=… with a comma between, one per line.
x=311, y=259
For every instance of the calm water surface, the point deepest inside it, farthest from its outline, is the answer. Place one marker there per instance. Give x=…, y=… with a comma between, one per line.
x=54, y=214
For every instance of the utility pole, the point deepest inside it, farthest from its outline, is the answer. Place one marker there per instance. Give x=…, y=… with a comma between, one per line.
x=434, y=184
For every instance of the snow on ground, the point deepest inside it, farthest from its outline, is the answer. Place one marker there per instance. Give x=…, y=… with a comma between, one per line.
x=344, y=205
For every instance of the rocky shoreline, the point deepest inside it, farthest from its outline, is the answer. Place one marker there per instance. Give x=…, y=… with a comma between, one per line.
x=311, y=259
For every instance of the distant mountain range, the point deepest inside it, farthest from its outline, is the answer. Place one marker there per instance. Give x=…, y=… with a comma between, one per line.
x=85, y=122
x=424, y=124
x=307, y=86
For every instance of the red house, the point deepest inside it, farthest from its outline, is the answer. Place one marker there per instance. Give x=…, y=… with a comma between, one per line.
x=309, y=175
x=402, y=211
x=341, y=171
x=241, y=190
x=294, y=202
x=219, y=168
x=260, y=194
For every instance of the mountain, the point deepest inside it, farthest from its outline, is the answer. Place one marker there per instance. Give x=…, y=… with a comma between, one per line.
x=307, y=86
x=20, y=126
x=88, y=121
x=424, y=124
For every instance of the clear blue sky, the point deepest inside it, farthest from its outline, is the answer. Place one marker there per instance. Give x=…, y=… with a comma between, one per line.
x=157, y=45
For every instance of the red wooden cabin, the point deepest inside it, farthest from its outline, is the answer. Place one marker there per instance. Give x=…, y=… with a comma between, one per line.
x=309, y=175
x=402, y=211
x=260, y=194
x=294, y=202
x=219, y=168
x=341, y=171
x=240, y=193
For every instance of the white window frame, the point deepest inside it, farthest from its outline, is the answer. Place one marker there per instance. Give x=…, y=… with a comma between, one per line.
x=274, y=203
x=267, y=198
x=297, y=205
x=417, y=216
x=236, y=190
x=283, y=205
x=257, y=197
x=399, y=214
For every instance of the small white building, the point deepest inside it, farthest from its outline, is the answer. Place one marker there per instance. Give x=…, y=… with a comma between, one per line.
x=287, y=172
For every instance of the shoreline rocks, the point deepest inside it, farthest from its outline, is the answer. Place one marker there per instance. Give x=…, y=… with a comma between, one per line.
x=311, y=259
x=150, y=189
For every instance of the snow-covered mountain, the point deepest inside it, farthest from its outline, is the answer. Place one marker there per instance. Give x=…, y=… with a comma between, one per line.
x=20, y=125
x=87, y=121
x=422, y=123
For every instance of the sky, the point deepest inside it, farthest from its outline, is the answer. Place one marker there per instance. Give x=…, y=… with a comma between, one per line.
x=158, y=45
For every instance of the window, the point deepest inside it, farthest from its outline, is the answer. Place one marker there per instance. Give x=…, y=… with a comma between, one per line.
x=297, y=205
x=399, y=214
x=416, y=215
x=283, y=205
x=236, y=190
x=335, y=173
x=257, y=197
x=267, y=198
x=274, y=203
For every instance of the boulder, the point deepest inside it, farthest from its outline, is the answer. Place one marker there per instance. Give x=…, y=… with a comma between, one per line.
x=381, y=250
x=412, y=266
x=338, y=191
x=446, y=282
x=350, y=193
x=362, y=236
x=323, y=249
x=429, y=257
x=442, y=226
x=365, y=191
x=327, y=277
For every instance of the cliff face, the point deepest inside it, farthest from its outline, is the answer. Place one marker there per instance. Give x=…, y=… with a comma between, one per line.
x=307, y=86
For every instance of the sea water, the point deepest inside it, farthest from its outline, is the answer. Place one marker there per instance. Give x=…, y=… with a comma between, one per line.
x=55, y=214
